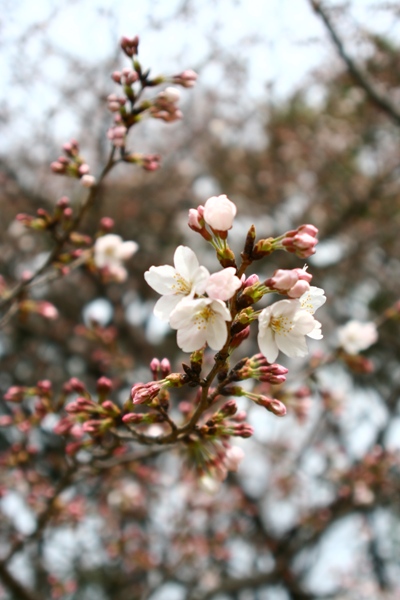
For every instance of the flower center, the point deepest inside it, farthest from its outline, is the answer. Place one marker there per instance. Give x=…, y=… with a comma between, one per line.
x=281, y=325
x=203, y=317
x=307, y=304
x=181, y=286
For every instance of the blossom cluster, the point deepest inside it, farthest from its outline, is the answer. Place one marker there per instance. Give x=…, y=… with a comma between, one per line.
x=201, y=306
x=207, y=309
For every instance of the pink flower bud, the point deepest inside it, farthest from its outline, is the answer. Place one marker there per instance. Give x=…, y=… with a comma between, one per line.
x=130, y=45
x=63, y=427
x=299, y=288
x=228, y=409
x=44, y=387
x=134, y=418
x=57, y=167
x=145, y=392
x=239, y=337
x=15, y=394
x=273, y=405
x=63, y=202
x=195, y=221
x=219, y=213
x=47, y=310
x=84, y=169
x=165, y=366
x=106, y=224
x=151, y=162
x=251, y=280
x=301, y=241
x=116, y=76
x=104, y=386
x=243, y=430
x=76, y=385
x=110, y=407
x=186, y=79
x=223, y=285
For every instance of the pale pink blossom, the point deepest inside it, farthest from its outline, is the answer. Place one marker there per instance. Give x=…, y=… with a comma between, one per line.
x=117, y=135
x=186, y=279
x=356, y=336
x=170, y=95
x=109, y=253
x=88, y=181
x=219, y=212
x=233, y=457
x=223, y=285
x=200, y=321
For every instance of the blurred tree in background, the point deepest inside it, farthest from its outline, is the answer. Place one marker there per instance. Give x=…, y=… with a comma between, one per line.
x=313, y=511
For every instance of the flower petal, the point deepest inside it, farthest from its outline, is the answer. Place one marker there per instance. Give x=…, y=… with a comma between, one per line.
x=267, y=344
x=161, y=279
x=190, y=339
x=165, y=305
x=185, y=262
x=293, y=346
x=217, y=334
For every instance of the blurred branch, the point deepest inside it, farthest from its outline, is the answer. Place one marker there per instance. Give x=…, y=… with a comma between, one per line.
x=380, y=101
x=12, y=584
x=44, y=516
x=6, y=577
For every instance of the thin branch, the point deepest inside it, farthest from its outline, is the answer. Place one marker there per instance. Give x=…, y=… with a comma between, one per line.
x=376, y=98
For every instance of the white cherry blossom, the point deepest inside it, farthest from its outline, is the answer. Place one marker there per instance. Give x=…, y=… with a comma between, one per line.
x=356, y=336
x=184, y=280
x=200, y=321
x=283, y=326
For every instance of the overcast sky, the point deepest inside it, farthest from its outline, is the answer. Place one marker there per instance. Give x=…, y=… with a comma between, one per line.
x=280, y=41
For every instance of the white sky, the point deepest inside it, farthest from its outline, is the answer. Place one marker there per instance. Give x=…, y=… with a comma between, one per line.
x=91, y=28
x=280, y=41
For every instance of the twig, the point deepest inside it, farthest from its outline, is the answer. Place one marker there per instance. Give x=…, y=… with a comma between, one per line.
x=380, y=101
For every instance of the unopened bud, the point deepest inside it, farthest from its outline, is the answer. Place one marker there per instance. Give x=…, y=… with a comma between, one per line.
x=104, y=386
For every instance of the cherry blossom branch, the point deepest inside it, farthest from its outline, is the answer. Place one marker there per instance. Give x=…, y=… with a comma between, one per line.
x=75, y=222
x=379, y=100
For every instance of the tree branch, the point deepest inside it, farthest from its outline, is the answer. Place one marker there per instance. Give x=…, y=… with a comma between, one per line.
x=376, y=98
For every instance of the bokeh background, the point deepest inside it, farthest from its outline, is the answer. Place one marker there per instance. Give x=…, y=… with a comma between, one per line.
x=278, y=124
